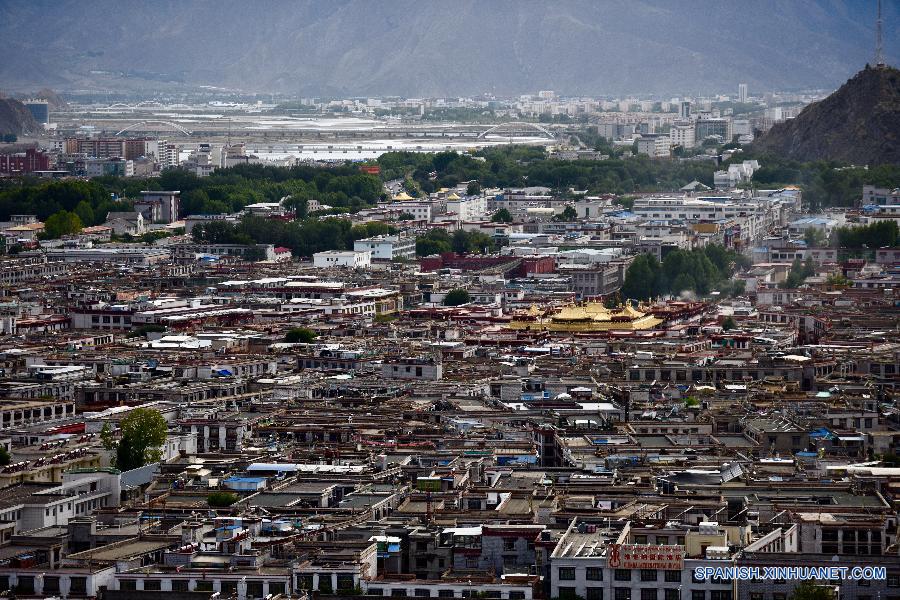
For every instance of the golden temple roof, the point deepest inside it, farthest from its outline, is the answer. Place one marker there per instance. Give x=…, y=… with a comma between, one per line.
x=591, y=316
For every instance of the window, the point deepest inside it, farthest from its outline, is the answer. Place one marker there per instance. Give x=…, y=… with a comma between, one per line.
x=51, y=585
x=254, y=589
x=228, y=587
x=622, y=593
x=640, y=539
x=276, y=587
x=566, y=573
x=445, y=593
x=152, y=585
x=720, y=595
x=513, y=595
x=375, y=592
x=648, y=575
x=509, y=545
x=180, y=585
x=648, y=594
x=567, y=593
x=593, y=574
x=422, y=593
x=672, y=576
x=78, y=586
x=622, y=575
x=671, y=594
x=698, y=595
x=126, y=585
x=594, y=593
x=207, y=586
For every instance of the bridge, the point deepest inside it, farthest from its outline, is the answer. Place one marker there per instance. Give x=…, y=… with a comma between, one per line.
x=169, y=124
x=518, y=129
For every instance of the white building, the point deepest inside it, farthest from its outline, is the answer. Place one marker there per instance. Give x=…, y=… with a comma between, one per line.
x=735, y=174
x=167, y=155
x=387, y=247
x=654, y=145
x=683, y=134
x=353, y=259
x=420, y=211
x=468, y=208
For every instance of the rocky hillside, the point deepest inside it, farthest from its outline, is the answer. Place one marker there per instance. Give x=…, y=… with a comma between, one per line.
x=15, y=118
x=858, y=124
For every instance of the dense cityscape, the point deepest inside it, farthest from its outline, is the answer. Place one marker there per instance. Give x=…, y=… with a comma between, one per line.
x=260, y=345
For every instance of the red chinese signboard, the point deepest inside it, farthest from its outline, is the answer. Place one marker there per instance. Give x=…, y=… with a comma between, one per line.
x=644, y=556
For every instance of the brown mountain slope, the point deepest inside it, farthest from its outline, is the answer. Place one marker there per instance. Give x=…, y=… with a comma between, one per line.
x=15, y=118
x=858, y=124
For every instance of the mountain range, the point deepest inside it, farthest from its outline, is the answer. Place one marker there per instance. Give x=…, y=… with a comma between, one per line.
x=430, y=48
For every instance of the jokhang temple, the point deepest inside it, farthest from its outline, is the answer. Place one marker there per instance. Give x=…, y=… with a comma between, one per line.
x=586, y=317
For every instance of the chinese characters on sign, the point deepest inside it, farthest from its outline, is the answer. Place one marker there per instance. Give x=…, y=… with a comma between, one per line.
x=643, y=556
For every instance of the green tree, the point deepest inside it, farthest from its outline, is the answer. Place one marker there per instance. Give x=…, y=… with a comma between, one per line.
x=502, y=216
x=143, y=432
x=797, y=275
x=436, y=241
x=62, y=223
x=641, y=278
x=108, y=437
x=473, y=189
x=85, y=212
x=457, y=296
x=837, y=279
x=729, y=323
x=815, y=237
x=5, y=458
x=471, y=242
x=221, y=499
x=568, y=214
x=808, y=590
x=300, y=335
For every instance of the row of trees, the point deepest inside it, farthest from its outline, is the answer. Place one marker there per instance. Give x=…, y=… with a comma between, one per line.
x=225, y=190
x=699, y=271
x=304, y=237
x=876, y=235
x=230, y=190
x=438, y=241
x=89, y=200
x=531, y=166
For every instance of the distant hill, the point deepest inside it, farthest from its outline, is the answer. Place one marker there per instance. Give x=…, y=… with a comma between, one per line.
x=15, y=118
x=858, y=124
x=53, y=99
x=432, y=48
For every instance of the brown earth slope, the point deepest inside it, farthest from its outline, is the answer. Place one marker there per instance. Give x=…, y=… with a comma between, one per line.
x=857, y=124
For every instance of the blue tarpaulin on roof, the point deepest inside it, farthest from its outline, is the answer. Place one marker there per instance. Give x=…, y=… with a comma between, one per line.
x=822, y=433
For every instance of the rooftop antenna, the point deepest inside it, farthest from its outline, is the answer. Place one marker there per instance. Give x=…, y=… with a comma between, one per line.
x=879, y=45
